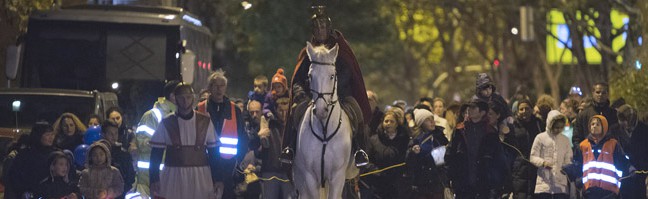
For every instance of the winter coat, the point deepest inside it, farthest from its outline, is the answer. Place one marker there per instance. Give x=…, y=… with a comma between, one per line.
x=269, y=154
x=384, y=152
x=426, y=176
x=70, y=143
x=581, y=126
x=29, y=169
x=483, y=80
x=476, y=160
x=123, y=161
x=96, y=179
x=551, y=149
x=58, y=186
x=523, y=173
x=376, y=120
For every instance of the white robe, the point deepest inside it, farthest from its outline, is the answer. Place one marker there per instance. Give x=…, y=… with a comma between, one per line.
x=185, y=182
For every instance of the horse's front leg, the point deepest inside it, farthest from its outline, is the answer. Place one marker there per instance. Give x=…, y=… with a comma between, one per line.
x=307, y=185
x=336, y=184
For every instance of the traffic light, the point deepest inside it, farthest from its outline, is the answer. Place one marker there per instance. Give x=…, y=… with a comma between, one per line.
x=496, y=63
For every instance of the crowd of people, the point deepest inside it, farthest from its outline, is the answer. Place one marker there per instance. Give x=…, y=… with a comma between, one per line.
x=486, y=147
x=215, y=146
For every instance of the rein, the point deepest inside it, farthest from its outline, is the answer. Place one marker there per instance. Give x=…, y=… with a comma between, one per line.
x=325, y=138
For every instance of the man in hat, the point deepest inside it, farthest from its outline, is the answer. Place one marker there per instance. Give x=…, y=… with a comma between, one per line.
x=351, y=88
x=189, y=141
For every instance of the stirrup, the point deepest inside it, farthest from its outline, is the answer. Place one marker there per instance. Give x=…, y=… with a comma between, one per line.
x=286, y=156
x=361, y=158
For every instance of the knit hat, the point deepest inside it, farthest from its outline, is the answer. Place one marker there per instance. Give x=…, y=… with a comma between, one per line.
x=420, y=115
x=604, y=122
x=280, y=78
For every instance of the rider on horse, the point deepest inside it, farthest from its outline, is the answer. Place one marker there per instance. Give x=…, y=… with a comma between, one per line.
x=351, y=89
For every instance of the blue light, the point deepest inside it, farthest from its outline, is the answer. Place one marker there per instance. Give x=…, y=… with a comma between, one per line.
x=640, y=40
x=638, y=65
x=192, y=20
x=563, y=36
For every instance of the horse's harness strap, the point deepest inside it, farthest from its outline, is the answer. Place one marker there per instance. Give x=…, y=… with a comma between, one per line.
x=322, y=63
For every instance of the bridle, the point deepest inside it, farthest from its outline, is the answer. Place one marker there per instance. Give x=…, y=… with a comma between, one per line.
x=330, y=106
x=317, y=95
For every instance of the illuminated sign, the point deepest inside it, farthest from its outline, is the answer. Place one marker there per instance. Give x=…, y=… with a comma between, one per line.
x=558, y=46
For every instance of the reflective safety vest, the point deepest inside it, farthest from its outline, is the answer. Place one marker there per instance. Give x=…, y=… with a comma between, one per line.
x=150, y=128
x=229, y=133
x=600, y=172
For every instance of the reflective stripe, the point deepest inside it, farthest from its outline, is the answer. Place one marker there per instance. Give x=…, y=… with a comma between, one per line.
x=602, y=165
x=146, y=165
x=144, y=128
x=230, y=141
x=157, y=114
x=228, y=150
x=605, y=178
x=135, y=195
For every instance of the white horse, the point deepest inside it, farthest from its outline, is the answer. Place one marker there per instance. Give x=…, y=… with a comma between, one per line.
x=323, y=160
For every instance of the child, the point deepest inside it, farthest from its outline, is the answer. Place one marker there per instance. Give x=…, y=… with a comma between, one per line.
x=100, y=180
x=58, y=184
x=260, y=89
x=121, y=159
x=550, y=152
x=279, y=90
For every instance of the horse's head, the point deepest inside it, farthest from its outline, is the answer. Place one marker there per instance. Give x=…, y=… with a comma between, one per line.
x=323, y=78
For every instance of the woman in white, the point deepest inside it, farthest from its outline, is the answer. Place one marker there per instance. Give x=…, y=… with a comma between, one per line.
x=550, y=152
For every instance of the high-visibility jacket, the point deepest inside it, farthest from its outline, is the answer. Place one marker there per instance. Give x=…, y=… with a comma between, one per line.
x=145, y=129
x=229, y=133
x=600, y=171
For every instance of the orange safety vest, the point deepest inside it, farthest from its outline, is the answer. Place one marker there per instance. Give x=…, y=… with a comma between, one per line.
x=229, y=133
x=600, y=172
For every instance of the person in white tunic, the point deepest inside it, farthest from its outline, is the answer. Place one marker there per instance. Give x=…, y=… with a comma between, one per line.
x=190, y=152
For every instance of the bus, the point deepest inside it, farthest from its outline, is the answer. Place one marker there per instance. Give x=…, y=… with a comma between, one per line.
x=129, y=50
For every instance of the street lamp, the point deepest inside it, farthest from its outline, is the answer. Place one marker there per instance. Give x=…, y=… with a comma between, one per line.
x=246, y=5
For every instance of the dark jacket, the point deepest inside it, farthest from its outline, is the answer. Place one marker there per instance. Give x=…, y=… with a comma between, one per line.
x=66, y=142
x=29, y=168
x=523, y=173
x=581, y=126
x=639, y=147
x=123, y=161
x=271, y=148
x=482, y=82
x=426, y=176
x=384, y=152
x=56, y=187
x=376, y=120
x=475, y=158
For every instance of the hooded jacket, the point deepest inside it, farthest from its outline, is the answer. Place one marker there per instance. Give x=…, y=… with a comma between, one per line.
x=98, y=178
x=57, y=186
x=482, y=82
x=551, y=148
